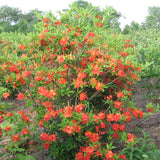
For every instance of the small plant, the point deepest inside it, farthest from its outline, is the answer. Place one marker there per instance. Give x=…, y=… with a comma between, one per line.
x=140, y=148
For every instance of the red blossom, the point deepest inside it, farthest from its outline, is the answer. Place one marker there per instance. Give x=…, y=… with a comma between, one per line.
x=115, y=126
x=83, y=96
x=58, y=23
x=110, y=117
x=61, y=58
x=52, y=138
x=77, y=128
x=121, y=73
x=44, y=136
x=89, y=150
x=78, y=83
x=9, y=114
x=7, y=128
x=137, y=113
x=15, y=138
x=22, y=47
x=99, y=24
x=62, y=81
x=130, y=137
x=117, y=104
x=25, y=131
x=41, y=123
x=6, y=95
x=99, y=86
x=68, y=111
x=45, y=20
x=79, y=156
x=47, y=116
x=25, y=118
x=109, y=155
x=20, y=96
x=81, y=75
x=85, y=118
x=46, y=145
x=115, y=135
x=21, y=112
x=79, y=107
x=96, y=70
x=63, y=42
x=120, y=94
x=68, y=129
x=117, y=117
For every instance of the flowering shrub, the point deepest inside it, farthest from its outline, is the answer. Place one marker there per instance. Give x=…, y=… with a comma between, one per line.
x=77, y=79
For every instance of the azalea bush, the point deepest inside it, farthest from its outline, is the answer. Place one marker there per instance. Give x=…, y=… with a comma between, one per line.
x=76, y=80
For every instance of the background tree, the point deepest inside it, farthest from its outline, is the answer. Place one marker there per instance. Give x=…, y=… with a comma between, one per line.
x=9, y=14
x=134, y=26
x=153, y=18
x=12, y=19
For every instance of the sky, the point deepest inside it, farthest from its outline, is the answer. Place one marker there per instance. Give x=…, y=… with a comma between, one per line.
x=132, y=10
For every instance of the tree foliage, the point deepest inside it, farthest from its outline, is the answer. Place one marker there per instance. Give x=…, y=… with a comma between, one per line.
x=12, y=19
x=153, y=19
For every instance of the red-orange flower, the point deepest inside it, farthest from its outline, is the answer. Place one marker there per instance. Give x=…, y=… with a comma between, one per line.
x=21, y=112
x=83, y=96
x=130, y=137
x=117, y=117
x=7, y=128
x=109, y=155
x=110, y=117
x=120, y=94
x=68, y=129
x=137, y=113
x=45, y=20
x=63, y=42
x=60, y=58
x=79, y=107
x=89, y=150
x=94, y=137
x=46, y=145
x=41, y=123
x=115, y=127
x=96, y=70
x=79, y=156
x=47, y=116
x=99, y=24
x=99, y=86
x=44, y=136
x=52, y=138
x=78, y=83
x=68, y=111
x=25, y=131
x=77, y=128
x=85, y=118
x=62, y=81
x=117, y=104
x=9, y=114
x=6, y=95
x=20, y=96
x=58, y=23
x=15, y=138
x=25, y=118
x=121, y=73
x=81, y=75
x=93, y=81
x=21, y=47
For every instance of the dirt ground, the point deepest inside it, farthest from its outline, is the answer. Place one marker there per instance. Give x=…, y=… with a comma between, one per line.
x=141, y=96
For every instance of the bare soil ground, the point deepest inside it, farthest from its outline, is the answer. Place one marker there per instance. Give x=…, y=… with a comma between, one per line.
x=141, y=96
